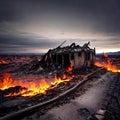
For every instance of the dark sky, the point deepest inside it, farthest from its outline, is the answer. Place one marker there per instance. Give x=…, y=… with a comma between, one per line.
x=28, y=26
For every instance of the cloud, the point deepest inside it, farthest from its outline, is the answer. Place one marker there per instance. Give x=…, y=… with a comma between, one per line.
x=19, y=43
x=38, y=24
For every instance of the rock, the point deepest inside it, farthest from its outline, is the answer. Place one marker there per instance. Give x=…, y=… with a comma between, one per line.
x=100, y=112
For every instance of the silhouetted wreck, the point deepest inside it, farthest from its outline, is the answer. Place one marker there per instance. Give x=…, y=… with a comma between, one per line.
x=74, y=55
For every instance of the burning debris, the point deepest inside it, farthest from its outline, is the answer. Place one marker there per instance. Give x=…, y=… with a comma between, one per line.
x=107, y=64
x=68, y=58
x=58, y=71
x=35, y=87
x=59, y=57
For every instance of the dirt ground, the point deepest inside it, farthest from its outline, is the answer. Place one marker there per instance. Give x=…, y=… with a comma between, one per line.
x=101, y=101
x=93, y=105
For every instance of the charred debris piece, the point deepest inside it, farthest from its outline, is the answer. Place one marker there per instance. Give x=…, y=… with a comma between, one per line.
x=74, y=56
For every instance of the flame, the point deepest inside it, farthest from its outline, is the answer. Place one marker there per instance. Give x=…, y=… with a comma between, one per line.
x=7, y=82
x=44, y=86
x=20, y=92
x=70, y=68
x=63, y=78
x=34, y=90
x=107, y=65
x=34, y=87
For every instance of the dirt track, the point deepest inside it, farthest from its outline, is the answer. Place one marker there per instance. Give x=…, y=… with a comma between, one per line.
x=96, y=98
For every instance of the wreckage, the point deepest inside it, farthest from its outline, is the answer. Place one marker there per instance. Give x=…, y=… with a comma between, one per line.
x=73, y=55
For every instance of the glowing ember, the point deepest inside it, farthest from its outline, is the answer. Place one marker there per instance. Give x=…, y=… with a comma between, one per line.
x=3, y=62
x=105, y=55
x=31, y=88
x=107, y=65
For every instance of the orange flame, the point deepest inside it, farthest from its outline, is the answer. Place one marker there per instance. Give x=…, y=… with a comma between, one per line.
x=58, y=80
x=20, y=92
x=31, y=88
x=44, y=86
x=107, y=65
x=70, y=68
x=7, y=82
